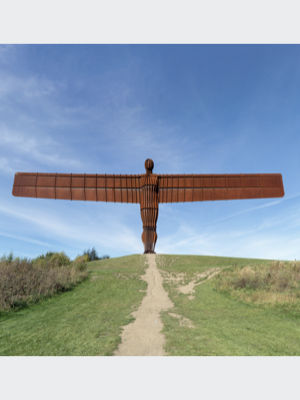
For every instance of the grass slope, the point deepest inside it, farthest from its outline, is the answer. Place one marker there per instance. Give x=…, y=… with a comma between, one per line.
x=223, y=326
x=83, y=322
x=87, y=320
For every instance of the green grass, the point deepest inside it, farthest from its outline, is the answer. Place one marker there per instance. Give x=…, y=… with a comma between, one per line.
x=87, y=320
x=83, y=322
x=224, y=326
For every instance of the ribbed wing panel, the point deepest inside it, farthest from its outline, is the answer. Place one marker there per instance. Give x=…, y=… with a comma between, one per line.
x=88, y=187
x=126, y=188
x=183, y=188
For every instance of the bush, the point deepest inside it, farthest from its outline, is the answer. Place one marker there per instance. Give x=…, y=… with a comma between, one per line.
x=80, y=262
x=8, y=258
x=60, y=259
x=92, y=255
x=52, y=260
x=24, y=282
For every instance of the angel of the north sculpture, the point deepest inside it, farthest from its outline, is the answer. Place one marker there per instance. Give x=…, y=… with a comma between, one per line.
x=148, y=190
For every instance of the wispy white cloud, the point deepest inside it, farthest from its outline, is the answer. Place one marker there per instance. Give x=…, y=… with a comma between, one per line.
x=82, y=229
x=24, y=239
x=136, y=139
x=38, y=87
x=273, y=203
x=6, y=166
x=274, y=236
x=249, y=210
x=232, y=244
x=28, y=148
x=26, y=88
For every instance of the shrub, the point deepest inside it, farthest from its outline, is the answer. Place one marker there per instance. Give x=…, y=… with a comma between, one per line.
x=80, y=262
x=60, y=259
x=92, y=255
x=52, y=260
x=24, y=282
x=278, y=283
x=8, y=258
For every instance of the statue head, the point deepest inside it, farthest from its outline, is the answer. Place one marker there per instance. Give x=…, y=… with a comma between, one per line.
x=149, y=165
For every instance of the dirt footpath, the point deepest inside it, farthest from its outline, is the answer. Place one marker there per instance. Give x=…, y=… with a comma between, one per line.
x=143, y=336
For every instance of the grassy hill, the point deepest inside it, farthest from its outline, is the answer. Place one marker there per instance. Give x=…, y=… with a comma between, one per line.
x=226, y=321
x=83, y=322
x=226, y=315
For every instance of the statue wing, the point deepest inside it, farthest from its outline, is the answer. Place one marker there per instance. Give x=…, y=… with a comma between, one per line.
x=87, y=187
x=182, y=188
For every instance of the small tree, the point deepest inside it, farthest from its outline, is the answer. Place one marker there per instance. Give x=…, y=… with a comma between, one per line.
x=10, y=257
x=92, y=254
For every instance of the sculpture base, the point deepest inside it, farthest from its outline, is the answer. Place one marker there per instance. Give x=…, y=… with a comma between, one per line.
x=149, y=252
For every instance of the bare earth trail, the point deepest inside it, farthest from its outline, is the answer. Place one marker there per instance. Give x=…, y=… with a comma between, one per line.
x=143, y=336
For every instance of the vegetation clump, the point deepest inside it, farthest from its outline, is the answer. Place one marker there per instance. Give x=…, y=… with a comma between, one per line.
x=52, y=260
x=277, y=284
x=24, y=282
x=93, y=255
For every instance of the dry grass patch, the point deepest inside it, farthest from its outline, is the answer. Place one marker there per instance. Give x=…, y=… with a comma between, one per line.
x=277, y=284
x=182, y=320
x=184, y=282
x=24, y=282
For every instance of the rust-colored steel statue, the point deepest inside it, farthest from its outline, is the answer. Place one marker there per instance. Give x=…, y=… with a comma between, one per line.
x=148, y=190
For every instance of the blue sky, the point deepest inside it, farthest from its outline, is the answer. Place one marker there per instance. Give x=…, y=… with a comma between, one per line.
x=191, y=108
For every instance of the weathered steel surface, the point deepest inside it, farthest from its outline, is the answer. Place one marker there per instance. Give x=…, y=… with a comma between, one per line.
x=148, y=190
x=113, y=188
x=183, y=188
x=149, y=207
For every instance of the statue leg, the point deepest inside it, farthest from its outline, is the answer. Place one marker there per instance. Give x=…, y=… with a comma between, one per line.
x=149, y=238
x=149, y=235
